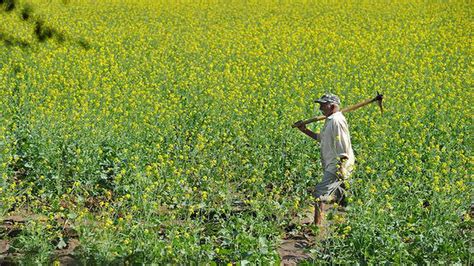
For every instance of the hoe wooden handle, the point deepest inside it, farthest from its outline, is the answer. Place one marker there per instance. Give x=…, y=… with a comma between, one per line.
x=377, y=99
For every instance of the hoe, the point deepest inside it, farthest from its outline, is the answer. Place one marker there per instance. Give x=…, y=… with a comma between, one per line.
x=377, y=99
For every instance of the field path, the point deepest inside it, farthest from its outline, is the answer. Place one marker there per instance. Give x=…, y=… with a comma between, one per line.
x=294, y=247
x=293, y=250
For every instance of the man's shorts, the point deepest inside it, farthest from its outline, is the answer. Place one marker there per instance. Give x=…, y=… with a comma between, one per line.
x=330, y=189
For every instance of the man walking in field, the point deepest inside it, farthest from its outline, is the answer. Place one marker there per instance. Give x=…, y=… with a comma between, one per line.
x=337, y=155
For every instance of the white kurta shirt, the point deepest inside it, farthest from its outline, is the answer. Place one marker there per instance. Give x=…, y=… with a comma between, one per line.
x=336, y=143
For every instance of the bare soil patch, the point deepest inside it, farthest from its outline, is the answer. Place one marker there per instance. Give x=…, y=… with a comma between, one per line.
x=295, y=245
x=11, y=227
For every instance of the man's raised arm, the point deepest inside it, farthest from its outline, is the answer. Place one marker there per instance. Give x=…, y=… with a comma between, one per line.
x=302, y=127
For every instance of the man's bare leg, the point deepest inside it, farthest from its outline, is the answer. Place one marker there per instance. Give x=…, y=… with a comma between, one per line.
x=318, y=212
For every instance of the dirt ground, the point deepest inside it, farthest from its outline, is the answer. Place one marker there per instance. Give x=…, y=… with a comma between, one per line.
x=10, y=227
x=295, y=245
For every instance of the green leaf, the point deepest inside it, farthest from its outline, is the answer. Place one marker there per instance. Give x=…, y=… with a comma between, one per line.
x=61, y=244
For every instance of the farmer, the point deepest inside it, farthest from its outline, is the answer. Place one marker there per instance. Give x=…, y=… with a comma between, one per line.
x=337, y=156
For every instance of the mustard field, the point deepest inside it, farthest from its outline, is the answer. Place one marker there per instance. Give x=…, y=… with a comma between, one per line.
x=160, y=131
